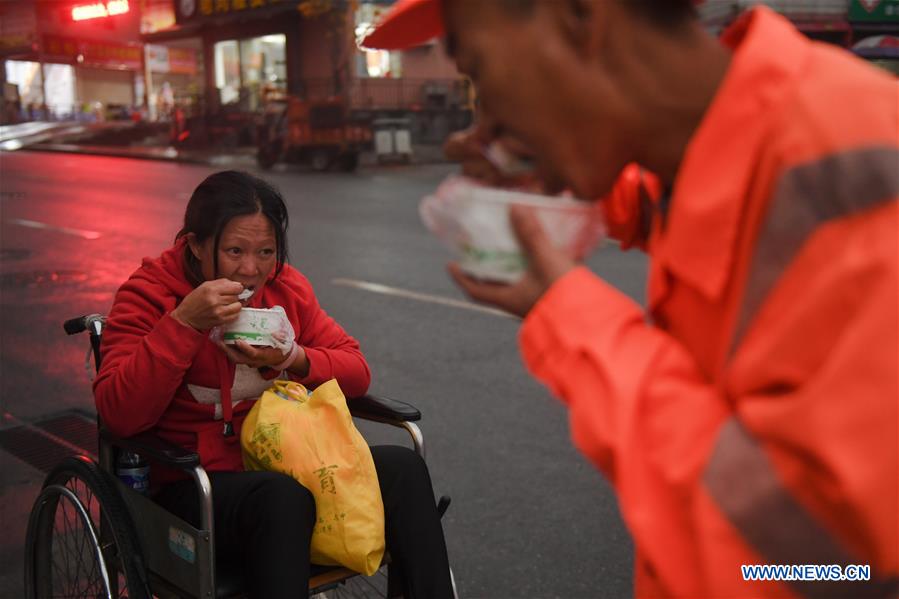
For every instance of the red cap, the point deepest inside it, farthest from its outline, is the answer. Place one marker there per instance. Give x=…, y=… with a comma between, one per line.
x=409, y=23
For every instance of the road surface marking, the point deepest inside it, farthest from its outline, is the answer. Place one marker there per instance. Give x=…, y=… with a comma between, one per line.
x=36, y=225
x=48, y=435
x=421, y=297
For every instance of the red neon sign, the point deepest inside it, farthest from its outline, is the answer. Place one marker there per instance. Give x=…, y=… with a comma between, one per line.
x=99, y=10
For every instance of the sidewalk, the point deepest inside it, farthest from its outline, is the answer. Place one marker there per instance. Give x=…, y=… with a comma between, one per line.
x=237, y=158
x=22, y=135
x=75, y=138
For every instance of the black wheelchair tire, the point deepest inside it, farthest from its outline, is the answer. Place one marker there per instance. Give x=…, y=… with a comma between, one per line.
x=97, y=492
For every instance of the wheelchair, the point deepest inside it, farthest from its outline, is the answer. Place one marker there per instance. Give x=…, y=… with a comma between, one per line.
x=90, y=535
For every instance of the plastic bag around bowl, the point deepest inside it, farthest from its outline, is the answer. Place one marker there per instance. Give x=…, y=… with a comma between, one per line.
x=472, y=221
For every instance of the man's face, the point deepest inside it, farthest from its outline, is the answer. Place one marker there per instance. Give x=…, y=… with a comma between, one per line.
x=539, y=87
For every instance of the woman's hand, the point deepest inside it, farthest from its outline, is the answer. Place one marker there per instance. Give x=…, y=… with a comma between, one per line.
x=212, y=304
x=258, y=357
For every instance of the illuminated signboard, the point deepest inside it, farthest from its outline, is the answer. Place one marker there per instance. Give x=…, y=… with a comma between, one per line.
x=98, y=10
x=882, y=11
x=191, y=10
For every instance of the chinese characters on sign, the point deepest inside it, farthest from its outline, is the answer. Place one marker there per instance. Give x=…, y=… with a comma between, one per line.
x=98, y=10
x=89, y=53
x=211, y=7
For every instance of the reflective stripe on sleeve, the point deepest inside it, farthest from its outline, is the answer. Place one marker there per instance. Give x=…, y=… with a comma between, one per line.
x=806, y=197
x=746, y=488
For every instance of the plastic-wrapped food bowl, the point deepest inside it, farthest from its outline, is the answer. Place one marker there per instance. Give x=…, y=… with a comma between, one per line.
x=255, y=326
x=473, y=222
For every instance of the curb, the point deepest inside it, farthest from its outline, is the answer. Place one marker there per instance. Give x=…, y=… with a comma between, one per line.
x=173, y=155
x=100, y=151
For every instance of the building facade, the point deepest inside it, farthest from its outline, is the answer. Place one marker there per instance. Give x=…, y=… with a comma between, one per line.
x=870, y=28
x=250, y=49
x=71, y=59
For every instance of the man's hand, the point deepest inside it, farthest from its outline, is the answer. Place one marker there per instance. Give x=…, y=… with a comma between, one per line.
x=469, y=148
x=546, y=264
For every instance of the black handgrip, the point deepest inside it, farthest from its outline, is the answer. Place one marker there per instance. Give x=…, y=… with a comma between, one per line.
x=73, y=326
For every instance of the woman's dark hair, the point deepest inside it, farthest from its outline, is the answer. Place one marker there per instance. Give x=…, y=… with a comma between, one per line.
x=221, y=197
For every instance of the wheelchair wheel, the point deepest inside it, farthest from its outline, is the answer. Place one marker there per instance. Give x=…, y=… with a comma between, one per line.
x=81, y=541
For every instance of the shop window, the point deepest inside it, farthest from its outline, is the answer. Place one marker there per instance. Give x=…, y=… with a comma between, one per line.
x=227, y=71
x=374, y=63
x=247, y=70
x=27, y=77
x=61, y=90
x=262, y=68
x=380, y=63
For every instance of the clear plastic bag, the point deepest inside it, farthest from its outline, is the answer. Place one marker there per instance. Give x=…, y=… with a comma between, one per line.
x=473, y=222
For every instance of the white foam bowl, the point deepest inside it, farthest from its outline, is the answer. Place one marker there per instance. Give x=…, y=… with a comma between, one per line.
x=473, y=222
x=253, y=325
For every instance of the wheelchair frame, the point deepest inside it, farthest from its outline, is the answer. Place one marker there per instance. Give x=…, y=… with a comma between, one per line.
x=169, y=545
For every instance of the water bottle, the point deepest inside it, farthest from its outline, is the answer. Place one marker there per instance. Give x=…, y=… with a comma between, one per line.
x=133, y=471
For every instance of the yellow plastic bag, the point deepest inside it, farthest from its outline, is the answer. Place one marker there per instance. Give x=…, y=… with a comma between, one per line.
x=312, y=438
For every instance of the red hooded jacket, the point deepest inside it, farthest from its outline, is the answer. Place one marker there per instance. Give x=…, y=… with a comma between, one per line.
x=160, y=375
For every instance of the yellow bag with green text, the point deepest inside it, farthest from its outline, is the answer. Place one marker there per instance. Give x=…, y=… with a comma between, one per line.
x=312, y=438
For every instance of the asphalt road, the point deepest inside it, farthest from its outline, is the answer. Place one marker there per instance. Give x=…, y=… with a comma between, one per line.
x=529, y=518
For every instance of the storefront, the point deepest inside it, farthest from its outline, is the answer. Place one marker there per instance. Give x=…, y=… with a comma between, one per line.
x=174, y=76
x=73, y=60
x=252, y=50
x=106, y=74
x=247, y=49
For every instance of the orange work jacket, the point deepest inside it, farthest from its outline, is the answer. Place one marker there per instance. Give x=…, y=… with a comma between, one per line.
x=749, y=415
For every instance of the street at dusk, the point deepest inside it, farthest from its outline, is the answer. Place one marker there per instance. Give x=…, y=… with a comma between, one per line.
x=449, y=299
x=529, y=517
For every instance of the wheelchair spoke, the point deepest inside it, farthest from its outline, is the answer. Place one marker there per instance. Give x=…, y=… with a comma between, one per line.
x=72, y=553
x=75, y=569
x=66, y=549
x=83, y=550
x=81, y=542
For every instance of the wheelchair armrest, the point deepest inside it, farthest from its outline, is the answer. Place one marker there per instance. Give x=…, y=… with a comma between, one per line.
x=380, y=409
x=155, y=449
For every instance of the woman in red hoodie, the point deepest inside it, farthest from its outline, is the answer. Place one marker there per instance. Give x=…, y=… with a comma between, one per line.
x=162, y=371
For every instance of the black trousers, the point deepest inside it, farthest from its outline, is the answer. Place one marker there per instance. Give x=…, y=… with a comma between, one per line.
x=264, y=521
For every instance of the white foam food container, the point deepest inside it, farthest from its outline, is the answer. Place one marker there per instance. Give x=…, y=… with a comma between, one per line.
x=253, y=325
x=473, y=222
